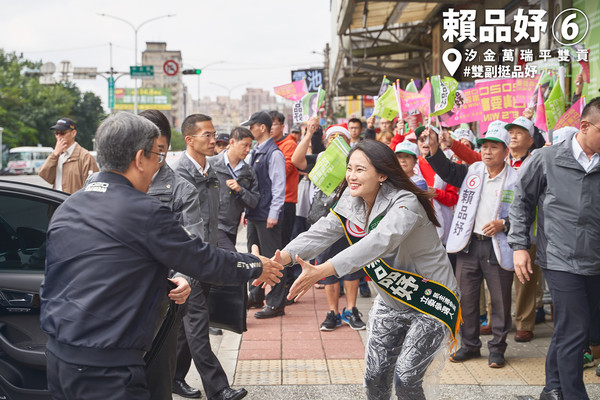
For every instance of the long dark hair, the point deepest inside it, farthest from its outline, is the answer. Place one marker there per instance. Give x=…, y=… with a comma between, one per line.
x=385, y=162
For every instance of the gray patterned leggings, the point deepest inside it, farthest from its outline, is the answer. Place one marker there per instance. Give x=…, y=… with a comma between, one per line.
x=401, y=345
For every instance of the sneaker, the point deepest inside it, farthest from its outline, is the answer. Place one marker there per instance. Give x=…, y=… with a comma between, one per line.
x=588, y=360
x=352, y=318
x=496, y=360
x=464, y=354
x=332, y=321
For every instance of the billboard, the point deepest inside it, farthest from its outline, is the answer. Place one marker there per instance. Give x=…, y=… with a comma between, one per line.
x=148, y=98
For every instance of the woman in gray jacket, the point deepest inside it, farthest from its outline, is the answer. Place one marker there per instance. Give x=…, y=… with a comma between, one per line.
x=391, y=226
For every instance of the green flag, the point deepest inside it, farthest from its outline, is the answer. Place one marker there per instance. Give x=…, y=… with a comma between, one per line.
x=411, y=87
x=443, y=92
x=555, y=106
x=311, y=103
x=385, y=84
x=386, y=106
x=330, y=169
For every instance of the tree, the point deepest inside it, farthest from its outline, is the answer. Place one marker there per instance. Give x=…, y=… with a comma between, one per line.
x=28, y=109
x=177, y=142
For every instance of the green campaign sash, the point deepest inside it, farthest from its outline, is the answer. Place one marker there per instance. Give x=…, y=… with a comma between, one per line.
x=423, y=295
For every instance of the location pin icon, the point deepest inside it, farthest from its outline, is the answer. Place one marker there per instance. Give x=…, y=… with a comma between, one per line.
x=452, y=66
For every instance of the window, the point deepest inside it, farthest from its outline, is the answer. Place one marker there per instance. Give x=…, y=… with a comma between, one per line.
x=23, y=226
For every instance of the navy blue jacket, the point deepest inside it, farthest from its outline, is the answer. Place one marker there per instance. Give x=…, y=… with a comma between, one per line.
x=260, y=162
x=109, y=250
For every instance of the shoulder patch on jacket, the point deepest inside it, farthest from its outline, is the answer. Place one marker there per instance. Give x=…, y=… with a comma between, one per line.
x=97, y=187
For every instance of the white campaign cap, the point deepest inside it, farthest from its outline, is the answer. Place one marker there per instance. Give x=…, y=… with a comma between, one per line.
x=406, y=146
x=522, y=122
x=560, y=135
x=496, y=132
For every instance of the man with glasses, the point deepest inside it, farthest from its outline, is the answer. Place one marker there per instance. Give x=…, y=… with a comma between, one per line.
x=194, y=343
x=69, y=165
x=560, y=184
x=109, y=251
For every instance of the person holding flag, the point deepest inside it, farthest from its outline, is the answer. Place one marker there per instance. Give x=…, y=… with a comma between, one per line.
x=390, y=226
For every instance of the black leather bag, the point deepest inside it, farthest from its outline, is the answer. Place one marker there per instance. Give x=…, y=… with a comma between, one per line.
x=227, y=307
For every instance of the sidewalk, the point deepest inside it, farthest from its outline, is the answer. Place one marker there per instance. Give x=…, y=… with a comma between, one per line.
x=290, y=358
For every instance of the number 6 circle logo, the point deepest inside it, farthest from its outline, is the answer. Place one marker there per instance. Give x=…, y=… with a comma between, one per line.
x=473, y=181
x=568, y=28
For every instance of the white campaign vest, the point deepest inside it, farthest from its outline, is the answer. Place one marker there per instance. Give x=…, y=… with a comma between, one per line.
x=444, y=213
x=466, y=208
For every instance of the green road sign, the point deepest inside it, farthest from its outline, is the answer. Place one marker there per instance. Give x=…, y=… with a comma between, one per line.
x=141, y=71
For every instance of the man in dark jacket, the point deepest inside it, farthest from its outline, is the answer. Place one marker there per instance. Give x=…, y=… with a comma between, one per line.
x=264, y=227
x=194, y=343
x=560, y=183
x=109, y=250
x=238, y=185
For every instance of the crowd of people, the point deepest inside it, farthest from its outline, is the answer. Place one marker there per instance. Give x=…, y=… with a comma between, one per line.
x=451, y=214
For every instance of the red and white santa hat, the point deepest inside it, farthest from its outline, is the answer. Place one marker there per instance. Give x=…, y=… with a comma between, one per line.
x=339, y=129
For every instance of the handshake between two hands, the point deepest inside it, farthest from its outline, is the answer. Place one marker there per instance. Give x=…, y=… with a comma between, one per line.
x=271, y=272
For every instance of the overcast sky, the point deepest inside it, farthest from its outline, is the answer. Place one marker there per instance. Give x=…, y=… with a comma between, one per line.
x=259, y=41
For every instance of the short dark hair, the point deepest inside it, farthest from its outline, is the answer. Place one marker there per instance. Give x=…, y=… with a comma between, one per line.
x=120, y=136
x=277, y=115
x=160, y=120
x=593, y=107
x=240, y=133
x=189, y=124
x=355, y=120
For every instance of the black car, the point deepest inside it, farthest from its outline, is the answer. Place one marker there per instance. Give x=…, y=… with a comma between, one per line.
x=25, y=211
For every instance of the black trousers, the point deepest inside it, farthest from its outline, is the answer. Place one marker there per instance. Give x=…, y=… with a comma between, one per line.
x=194, y=336
x=162, y=370
x=267, y=240
x=288, y=217
x=573, y=297
x=68, y=381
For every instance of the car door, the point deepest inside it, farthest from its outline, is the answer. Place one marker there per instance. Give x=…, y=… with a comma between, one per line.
x=25, y=211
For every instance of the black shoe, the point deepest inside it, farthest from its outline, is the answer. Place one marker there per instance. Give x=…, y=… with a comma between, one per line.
x=463, y=354
x=215, y=331
x=540, y=315
x=365, y=291
x=331, y=322
x=496, y=360
x=230, y=394
x=269, y=312
x=554, y=394
x=255, y=304
x=184, y=390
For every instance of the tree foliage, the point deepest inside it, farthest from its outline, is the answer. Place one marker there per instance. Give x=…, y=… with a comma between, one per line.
x=28, y=109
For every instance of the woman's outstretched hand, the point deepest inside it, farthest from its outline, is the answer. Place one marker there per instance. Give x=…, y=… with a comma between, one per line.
x=310, y=275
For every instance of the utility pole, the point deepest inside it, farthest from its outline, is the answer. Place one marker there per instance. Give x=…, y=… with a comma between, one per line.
x=328, y=88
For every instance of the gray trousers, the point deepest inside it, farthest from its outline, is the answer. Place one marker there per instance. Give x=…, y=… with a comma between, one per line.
x=401, y=346
x=471, y=269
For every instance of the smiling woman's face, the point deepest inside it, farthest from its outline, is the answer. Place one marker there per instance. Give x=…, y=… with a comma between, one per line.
x=363, y=179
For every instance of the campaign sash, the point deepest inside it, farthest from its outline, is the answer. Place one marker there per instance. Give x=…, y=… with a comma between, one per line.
x=426, y=296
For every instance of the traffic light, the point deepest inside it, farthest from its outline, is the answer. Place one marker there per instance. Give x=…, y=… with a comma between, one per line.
x=192, y=71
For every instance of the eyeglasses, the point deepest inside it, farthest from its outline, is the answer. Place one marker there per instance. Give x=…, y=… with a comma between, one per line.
x=161, y=156
x=206, y=135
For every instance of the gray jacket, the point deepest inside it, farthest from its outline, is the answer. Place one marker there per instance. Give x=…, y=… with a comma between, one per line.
x=405, y=239
x=207, y=187
x=232, y=203
x=568, y=201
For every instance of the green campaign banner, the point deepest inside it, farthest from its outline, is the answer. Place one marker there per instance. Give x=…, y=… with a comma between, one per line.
x=386, y=106
x=311, y=103
x=443, y=92
x=330, y=169
x=555, y=106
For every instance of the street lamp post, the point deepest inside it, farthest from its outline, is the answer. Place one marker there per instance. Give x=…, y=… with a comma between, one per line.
x=228, y=100
x=135, y=31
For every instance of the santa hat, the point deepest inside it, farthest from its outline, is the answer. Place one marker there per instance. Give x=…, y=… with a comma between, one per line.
x=340, y=129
